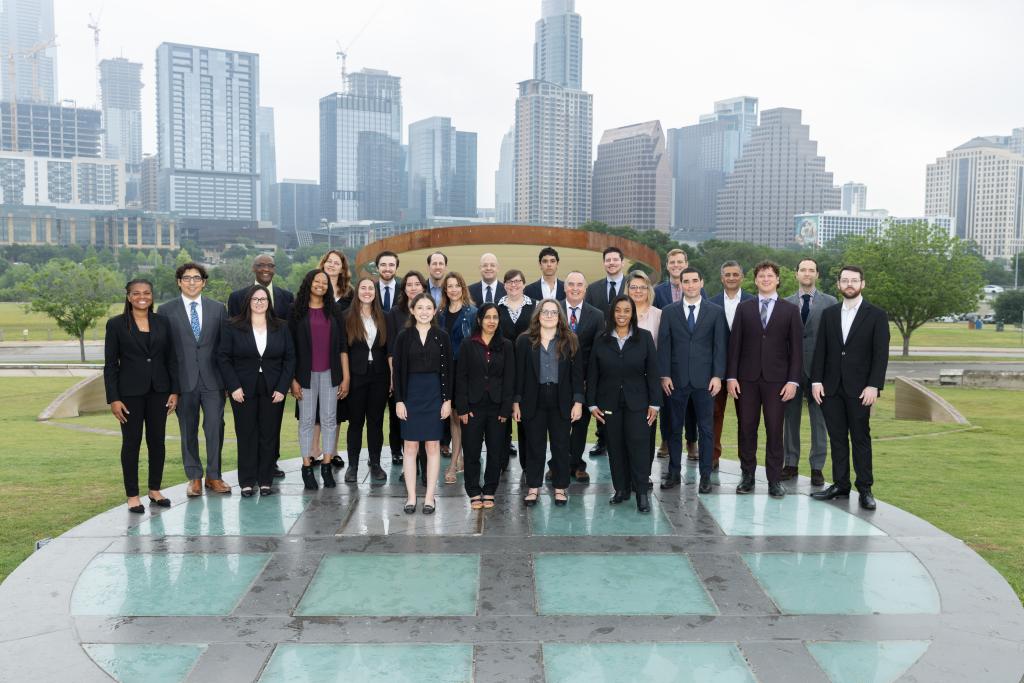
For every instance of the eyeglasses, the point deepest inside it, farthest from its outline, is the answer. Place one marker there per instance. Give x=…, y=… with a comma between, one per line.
x=191, y=278
x=638, y=288
x=548, y=313
x=518, y=283
x=265, y=266
x=845, y=282
x=259, y=299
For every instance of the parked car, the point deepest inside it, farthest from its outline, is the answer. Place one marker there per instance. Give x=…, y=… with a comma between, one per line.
x=993, y=289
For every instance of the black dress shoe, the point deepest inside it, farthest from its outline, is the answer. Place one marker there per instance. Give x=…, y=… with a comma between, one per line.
x=776, y=489
x=266, y=491
x=337, y=461
x=137, y=509
x=643, y=503
x=351, y=474
x=867, y=501
x=377, y=472
x=308, y=480
x=428, y=509
x=409, y=508
x=619, y=497
x=160, y=502
x=831, y=493
x=817, y=478
x=790, y=472
x=512, y=450
x=396, y=460
x=327, y=474
x=247, y=492
x=278, y=473
x=705, y=484
x=670, y=482
x=746, y=485
x=599, y=449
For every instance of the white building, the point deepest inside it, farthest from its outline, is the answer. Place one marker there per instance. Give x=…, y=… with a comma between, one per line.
x=76, y=183
x=815, y=229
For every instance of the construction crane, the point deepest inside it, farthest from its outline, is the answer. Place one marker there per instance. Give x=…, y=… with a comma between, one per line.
x=341, y=56
x=31, y=53
x=94, y=25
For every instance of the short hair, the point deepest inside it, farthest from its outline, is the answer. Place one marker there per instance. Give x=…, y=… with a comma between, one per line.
x=731, y=264
x=673, y=252
x=576, y=272
x=690, y=269
x=547, y=251
x=852, y=269
x=509, y=274
x=263, y=256
x=641, y=275
x=382, y=254
x=190, y=266
x=766, y=264
x=430, y=257
x=611, y=250
x=817, y=266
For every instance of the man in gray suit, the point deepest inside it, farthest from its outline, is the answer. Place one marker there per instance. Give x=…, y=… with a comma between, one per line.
x=811, y=303
x=195, y=323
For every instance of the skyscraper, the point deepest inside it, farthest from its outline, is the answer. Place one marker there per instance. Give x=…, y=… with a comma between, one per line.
x=207, y=100
x=854, y=198
x=295, y=205
x=632, y=178
x=442, y=170
x=361, y=160
x=980, y=184
x=121, y=93
x=778, y=176
x=464, y=185
x=554, y=126
x=268, y=157
x=51, y=130
x=25, y=27
x=505, y=179
x=702, y=156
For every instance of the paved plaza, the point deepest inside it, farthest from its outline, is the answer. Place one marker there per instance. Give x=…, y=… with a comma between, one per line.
x=340, y=584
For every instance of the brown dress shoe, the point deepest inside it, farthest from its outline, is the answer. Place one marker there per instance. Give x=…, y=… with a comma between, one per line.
x=790, y=472
x=582, y=476
x=691, y=451
x=195, y=488
x=817, y=478
x=217, y=486
x=663, y=450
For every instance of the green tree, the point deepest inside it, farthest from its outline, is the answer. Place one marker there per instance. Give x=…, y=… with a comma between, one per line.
x=917, y=272
x=182, y=257
x=236, y=252
x=75, y=295
x=1009, y=306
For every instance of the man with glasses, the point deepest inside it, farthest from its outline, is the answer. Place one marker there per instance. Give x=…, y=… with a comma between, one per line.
x=264, y=268
x=196, y=324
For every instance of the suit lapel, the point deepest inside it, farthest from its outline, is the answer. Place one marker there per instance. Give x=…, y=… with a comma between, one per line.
x=862, y=312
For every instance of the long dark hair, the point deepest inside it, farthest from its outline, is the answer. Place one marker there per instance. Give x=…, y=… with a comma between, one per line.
x=243, y=320
x=411, y=322
x=354, y=328
x=567, y=342
x=609, y=322
x=401, y=301
x=128, y=304
x=478, y=323
x=300, y=309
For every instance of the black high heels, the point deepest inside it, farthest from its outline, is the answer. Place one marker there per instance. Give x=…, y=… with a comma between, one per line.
x=308, y=480
x=327, y=474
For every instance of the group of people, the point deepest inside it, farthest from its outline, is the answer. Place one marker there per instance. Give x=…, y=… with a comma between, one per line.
x=454, y=365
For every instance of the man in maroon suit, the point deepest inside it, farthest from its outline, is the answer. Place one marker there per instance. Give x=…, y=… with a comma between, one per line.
x=764, y=367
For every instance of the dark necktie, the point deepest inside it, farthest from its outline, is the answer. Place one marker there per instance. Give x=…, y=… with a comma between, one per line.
x=611, y=291
x=805, y=310
x=488, y=298
x=573, y=319
x=691, y=322
x=764, y=312
x=387, y=298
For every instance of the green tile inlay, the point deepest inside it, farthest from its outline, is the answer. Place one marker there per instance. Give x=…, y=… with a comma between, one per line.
x=428, y=663
x=131, y=663
x=227, y=516
x=164, y=584
x=619, y=584
x=649, y=662
x=794, y=515
x=845, y=583
x=592, y=515
x=867, y=662
x=393, y=585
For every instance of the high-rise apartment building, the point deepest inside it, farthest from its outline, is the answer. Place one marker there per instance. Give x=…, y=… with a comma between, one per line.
x=50, y=130
x=28, y=51
x=80, y=182
x=778, y=175
x=267, y=153
x=505, y=179
x=554, y=126
x=980, y=184
x=442, y=170
x=702, y=156
x=149, y=183
x=207, y=100
x=361, y=160
x=295, y=205
x=854, y=198
x=632, y=178
x=121, y=99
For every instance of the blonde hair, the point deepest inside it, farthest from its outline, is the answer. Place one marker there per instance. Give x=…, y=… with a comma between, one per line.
x=641, y=275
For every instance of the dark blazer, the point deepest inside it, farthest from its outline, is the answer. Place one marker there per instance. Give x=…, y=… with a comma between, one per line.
x=663, y=294
x=633, y=371
x=196, y=358
x=590, y=323
x=719, y=300
x=130, y=368
x=570, y=380
x=283, y=300
x=819, y=302
x=396, y=289
x=359, y=352
x=240, y=361
x=303, y=340
x=400, y=360
x=476, y=379
x=597, y=293
x=511, y=330
x=396, y=320
x=861, y=361
x=461, y=328
x=534, y=291
x=476, y=291
x=692, y=359
x=774, y=353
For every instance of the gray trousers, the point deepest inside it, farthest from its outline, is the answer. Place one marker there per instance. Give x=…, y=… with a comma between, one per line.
x=212, y=404
x=791, y=428
x=319, y=390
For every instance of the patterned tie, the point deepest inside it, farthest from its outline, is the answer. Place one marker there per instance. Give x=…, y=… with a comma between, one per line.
x=387, y=298
x=194, y=319
x=489, y=298
x=805, y=310
x=764, y=312
x=691, y=322
x=611, y=291
x=573, y=319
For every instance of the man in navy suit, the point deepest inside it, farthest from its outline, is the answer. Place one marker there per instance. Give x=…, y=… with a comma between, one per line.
x=691, y=360
x=763, y=371
x=388, y=283
x=264, y=268
x=490, y=289
x=548, y=286
x=731, y=275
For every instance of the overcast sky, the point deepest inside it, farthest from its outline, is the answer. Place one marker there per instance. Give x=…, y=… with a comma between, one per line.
x=886, y=86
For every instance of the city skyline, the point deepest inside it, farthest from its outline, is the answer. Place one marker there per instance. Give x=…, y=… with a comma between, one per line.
x=882, y=87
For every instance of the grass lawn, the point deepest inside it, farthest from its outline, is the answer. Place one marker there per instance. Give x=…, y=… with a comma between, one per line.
x=957, y=334
x=965, y=482
x=14, y=319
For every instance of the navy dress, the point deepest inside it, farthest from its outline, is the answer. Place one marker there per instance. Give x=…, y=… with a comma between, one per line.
x=422, y=381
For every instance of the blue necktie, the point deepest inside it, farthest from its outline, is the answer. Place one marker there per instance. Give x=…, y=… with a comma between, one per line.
x=489, y=299
x=387, y=298
x=194, y=319
x=691, y=322
x=764, y=312
x=805, y=310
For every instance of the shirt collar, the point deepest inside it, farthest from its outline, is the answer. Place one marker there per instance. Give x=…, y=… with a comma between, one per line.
x=853, y=304
x=761, y=298
x=188, y=302
x=629, y=334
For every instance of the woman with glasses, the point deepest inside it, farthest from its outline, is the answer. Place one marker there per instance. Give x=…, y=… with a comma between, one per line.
x=648, y=317
x=455, y=317
x=549, y=397
x=515, y=310
x=256, y=358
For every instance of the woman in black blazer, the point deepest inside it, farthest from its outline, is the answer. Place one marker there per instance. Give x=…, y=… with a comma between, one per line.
x=414, y=283
x=140, y=374
x=366, y=351
x=548, y=401
x=624, y=394
x=515, y=310
x=484, y=385
x=257, y=361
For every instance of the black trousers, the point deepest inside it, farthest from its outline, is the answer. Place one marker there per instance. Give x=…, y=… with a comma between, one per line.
x=578, y=442
x=547, y=424
x=628, y=438
x=394, y=429
x=367, y=399
x=483, y=425
x=149, y=411
x=848, y=421
x=258, y=431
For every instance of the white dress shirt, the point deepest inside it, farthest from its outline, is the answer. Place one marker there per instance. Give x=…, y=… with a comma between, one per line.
x=483, y=292
x=261, y=342
x=730, y=306
x=370, y=327
x=548, y=292
x=847, y=313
